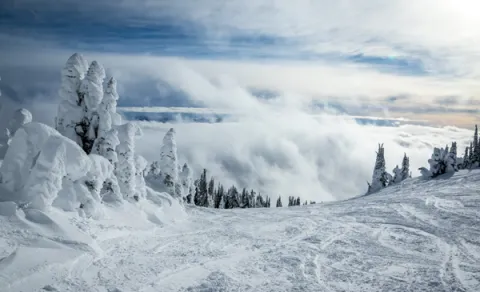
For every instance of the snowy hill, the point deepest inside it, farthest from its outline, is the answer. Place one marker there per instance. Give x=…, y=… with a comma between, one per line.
x=420, y=235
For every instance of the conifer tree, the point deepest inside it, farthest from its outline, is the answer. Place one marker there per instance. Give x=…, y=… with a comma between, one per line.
x=470, y=157
x=211, y=192
x=251, y=199
x=201, y=190
x=70, y=111
x=466, y=155
x=451, y=159
x=244, y=199
x=221, y=197
x=279, y=202
x=380, y=178
x=476, y=149
x=298, y=202
x=92, y=91
x=405, y=167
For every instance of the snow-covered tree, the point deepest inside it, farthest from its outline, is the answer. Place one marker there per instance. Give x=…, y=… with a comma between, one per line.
x=70, y=110
x=201, y=190
x=476, y=149
x=92, y=91
x=125, y=167
x=210, y=192
x=231, y=198
x=219, y=197
x=19, y=118
x=451, y=159
x=466, y=161
x=107, y=137
x=397, y=175
x=405, y=167
x=380, y=177
x=260, y=203
x=186, y=182
x=279, y=202
x=154, y=170
x=401, y=174
x=109, y=106
x=169, y=162
x=437, y=162
x=140, y=186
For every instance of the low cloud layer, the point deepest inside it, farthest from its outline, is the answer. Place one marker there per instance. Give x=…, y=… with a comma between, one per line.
x=324, y=158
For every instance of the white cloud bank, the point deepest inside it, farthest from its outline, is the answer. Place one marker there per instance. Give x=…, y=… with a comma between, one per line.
x=322, y=159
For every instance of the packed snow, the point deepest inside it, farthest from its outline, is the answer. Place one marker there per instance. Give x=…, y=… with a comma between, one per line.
x=420, y=235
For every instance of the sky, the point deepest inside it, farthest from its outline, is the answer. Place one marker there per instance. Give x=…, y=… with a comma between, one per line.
x=279, y=64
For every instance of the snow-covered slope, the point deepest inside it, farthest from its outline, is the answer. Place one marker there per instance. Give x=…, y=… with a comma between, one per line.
x=417, y=236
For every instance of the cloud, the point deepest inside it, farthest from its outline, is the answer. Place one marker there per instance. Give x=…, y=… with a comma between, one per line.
x=319, y=158
x=413, y=36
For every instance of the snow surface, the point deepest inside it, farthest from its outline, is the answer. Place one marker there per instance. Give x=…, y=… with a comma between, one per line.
x=419, y=235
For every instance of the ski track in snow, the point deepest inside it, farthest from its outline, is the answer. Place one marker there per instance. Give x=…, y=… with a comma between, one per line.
x=419, y=236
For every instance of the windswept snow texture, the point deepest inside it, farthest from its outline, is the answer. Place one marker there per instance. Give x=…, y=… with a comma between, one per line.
x=415, y=236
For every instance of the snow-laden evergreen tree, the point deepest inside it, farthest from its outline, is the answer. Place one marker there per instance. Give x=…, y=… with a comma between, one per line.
x=405, y=167
x=125, y=167
x=401, y=174
x=297, y=201
x=92, y=91
x=437, y=162
x=244, y=199
x=220, y=198
x=466, y=161
x=279, y=202
x=231, y=198
x=201, y=190
x=140, y=186
x=187, y=183
x=397, y=175
x=260, y=203
x=19, y=118
x=154, y=170
x=451, y=159
x=107, y=136
x=475, y=162
x=211, y=192
x=70, y=110
x=109, y=105
x=169, y=162
x=251, y=199
x=470, y=157
x=380, y=177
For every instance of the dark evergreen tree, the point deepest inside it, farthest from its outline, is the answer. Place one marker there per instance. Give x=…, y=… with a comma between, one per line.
x=251, y=199
x=211, y=193
x=380, y=178
x=219, y=202
x=405, y=171
x=201, y=190
x=244, y=199
x=476, y=149
x=470, y=157
x=466, y=155
x=290, y=201
x=279, y=202
x=298, y=202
